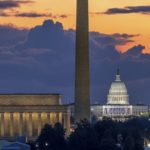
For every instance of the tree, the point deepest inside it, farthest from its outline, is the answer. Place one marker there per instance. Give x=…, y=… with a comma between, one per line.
x=129, y=143
x=107, y=142
x=84, y=137
x=106, y=124
x=51, y=138
x=60, y=136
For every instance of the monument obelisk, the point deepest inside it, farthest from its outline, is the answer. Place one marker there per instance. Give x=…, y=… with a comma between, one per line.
x=82, y=79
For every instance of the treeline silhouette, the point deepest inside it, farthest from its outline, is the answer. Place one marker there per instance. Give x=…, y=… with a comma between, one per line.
x=102, y=135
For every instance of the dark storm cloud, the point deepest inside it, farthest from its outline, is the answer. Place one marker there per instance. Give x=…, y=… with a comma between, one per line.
x=6, y=4
x=43, y=61
x=11, y=35
x=129, y=9
x=114, y=39
x=135, y=51
x=40, y=60
x=53, y=33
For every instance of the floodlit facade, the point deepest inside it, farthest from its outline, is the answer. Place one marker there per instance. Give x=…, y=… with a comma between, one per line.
x=118, y=94
x=118, y=107
x=26, y=114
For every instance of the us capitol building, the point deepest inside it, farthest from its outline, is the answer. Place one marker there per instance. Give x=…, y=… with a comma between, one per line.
x=118, y=106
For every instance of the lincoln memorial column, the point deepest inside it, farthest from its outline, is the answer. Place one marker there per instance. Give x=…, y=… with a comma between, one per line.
x=60, y=118
x=30, y=124
x=66, y=117
x=82, y=77
x=21, y=124
x=55, y=121
x=2, y=125
x=39, y=123
x=48, y=118
x=11, y=125
x=52, y=118
x=57, y=117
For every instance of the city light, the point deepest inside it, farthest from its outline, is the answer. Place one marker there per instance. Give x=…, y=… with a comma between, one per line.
x=46, y=144
x=148, y=145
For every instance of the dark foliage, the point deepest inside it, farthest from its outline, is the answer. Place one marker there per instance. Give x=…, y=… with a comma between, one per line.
x=129, y=143
x=51, y=138
x=107, y=142
x=84, y=137
x=107, y=124
x=102, y=135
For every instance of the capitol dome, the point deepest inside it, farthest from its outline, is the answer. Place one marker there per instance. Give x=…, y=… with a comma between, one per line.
x=118, y=94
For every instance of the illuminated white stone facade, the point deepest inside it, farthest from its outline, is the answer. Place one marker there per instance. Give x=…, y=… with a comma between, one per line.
x=118, y=94
x=26, y=114
x=118, y=107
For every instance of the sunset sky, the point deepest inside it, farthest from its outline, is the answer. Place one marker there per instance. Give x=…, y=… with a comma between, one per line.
x=133, y=22
x=37, y=47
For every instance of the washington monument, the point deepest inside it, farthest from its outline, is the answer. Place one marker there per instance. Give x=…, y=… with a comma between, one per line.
x=82, y=78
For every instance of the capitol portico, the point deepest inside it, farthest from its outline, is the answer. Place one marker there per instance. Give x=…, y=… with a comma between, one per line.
x=26, y=114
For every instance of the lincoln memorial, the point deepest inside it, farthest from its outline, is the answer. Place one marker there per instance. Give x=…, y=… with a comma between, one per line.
x=26, y=114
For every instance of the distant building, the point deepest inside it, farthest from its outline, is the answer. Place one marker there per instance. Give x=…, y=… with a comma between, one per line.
x=26, y=114
x=118, y=107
